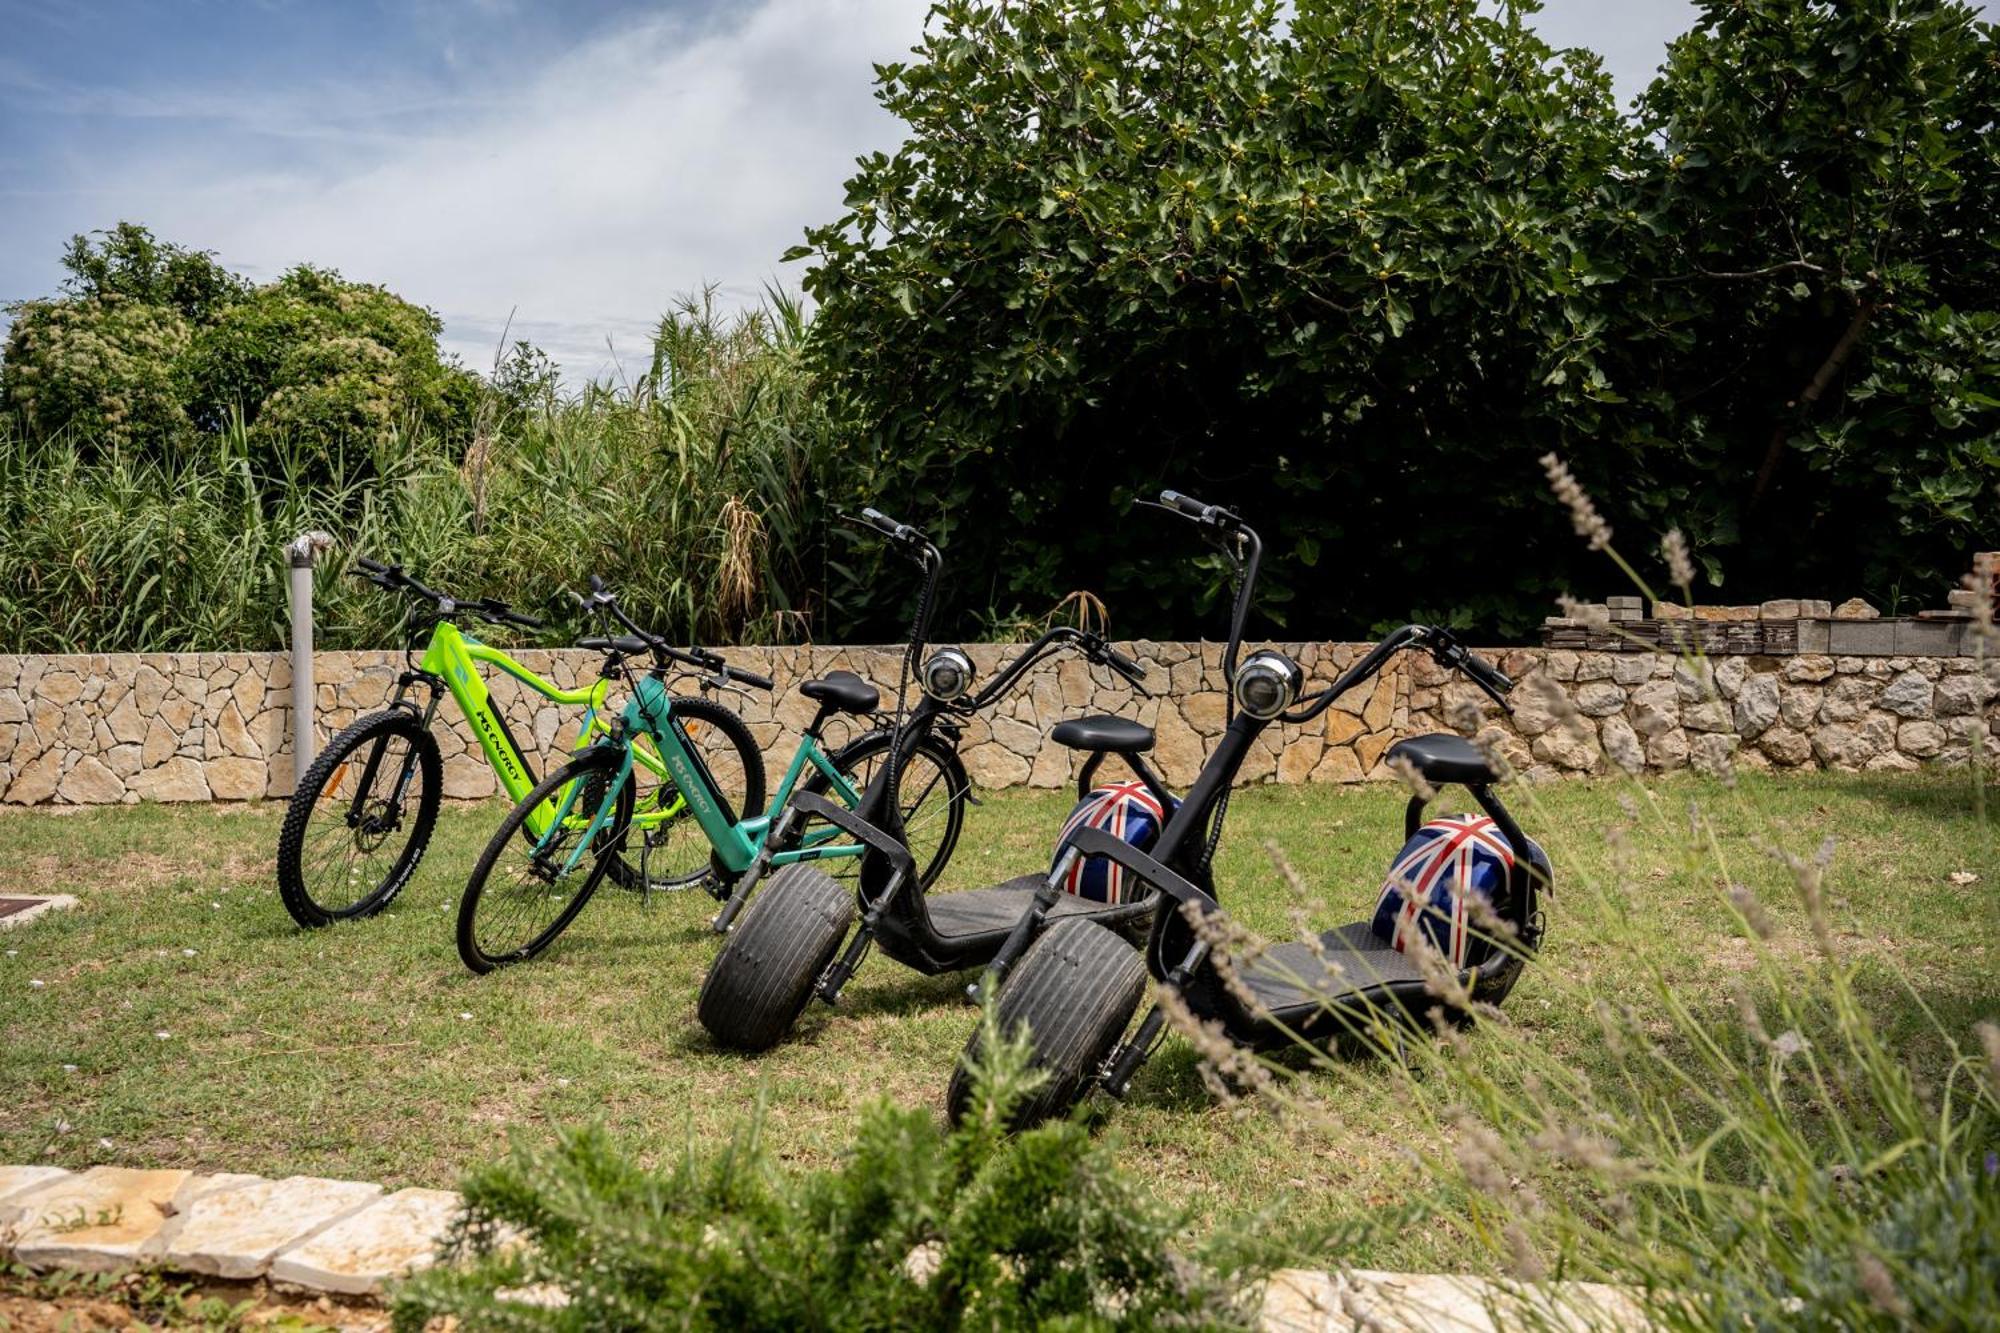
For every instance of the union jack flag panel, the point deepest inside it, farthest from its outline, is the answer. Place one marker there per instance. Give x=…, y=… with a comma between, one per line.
x=1430, y=878
x=1124, y=810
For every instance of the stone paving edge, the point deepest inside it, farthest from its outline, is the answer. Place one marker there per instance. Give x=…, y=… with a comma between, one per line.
x=351, y=1237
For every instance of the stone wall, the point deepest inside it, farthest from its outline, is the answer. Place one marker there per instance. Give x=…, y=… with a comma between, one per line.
x=91, y=730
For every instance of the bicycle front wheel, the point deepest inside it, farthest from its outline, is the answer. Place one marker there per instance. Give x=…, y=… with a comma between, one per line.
x=676, y=853
x=360, y=820
x=528, y=887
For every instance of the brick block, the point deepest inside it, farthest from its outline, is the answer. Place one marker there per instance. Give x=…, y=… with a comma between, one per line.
x=1861, y=638
x=1928, y=638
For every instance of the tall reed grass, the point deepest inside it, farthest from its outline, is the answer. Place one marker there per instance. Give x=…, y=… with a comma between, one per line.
x=690, y=489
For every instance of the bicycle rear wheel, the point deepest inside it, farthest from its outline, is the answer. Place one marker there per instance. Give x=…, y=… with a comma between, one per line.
x=526, y=888
x=360, y=820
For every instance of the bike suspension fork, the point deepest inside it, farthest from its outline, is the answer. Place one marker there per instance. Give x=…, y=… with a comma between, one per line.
x=732, y=906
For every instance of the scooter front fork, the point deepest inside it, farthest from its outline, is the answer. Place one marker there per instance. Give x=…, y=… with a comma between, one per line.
x=1116, y=1073
x=1025, y=931
x=1124, y=1062
x=838, y=972
x=844, y=967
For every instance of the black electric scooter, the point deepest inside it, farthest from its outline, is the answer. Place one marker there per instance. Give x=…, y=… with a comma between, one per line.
x=782, y=952
x=1076, y=987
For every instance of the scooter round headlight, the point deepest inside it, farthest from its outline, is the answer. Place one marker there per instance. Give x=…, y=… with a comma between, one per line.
x=947, y=674
x=1266, y=685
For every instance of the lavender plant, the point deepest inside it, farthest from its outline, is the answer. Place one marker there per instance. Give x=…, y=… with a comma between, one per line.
x=1826, y=1154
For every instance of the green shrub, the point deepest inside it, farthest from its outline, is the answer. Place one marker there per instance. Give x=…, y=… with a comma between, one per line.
x=974, y=1229
x=314, y=360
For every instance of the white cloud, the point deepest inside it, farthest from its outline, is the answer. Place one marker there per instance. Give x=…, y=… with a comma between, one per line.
x=633, y=168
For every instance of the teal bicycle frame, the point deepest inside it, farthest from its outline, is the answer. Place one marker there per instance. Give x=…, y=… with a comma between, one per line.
x=649, y=713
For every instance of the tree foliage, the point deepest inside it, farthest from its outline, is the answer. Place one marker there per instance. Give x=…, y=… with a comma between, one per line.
x=1354, y=266
x=1820, y=328
x=151, y=344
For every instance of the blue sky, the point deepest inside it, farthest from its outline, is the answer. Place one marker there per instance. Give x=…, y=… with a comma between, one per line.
x=573, y=164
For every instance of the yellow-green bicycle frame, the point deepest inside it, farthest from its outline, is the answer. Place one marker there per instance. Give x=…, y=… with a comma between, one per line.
x=453, y=659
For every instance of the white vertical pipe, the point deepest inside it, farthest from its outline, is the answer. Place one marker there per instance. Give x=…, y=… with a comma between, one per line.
x=304, y=701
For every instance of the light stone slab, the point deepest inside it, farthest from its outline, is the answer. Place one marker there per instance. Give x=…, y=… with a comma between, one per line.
x=237, y=1233
x=98, y=1221
x=385, y=1240
x=54, y=902
x=18, y=1182
x=1304, y=1301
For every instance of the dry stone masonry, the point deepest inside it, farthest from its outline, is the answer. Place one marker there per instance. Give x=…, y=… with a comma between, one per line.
x=104, y=729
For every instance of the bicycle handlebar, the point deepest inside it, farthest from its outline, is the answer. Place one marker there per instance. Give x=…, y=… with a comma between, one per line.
x=641, y=640
x=395, y=578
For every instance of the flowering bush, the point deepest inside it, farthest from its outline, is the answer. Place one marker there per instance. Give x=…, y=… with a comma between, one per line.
x=106, y=369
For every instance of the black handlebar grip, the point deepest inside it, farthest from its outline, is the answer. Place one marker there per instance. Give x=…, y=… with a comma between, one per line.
x=751, y=678
x=1188, y=505
x=522, y=619
x=1493, y=675
x=596, y=583
x=1129, y=666
x=880, y=521
x=372, y=566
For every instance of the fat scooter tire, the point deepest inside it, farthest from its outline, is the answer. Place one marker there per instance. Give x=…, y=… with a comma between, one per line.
x=1074, y=991
x=763, y=978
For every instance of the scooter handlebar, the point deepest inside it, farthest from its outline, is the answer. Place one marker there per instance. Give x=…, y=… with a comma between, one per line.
x=1195, y=509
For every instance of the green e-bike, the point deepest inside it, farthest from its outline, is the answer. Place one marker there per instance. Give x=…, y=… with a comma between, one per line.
x=363, y=815
x=563, y=837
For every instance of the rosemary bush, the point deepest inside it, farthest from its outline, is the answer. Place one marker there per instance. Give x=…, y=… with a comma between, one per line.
x=974, y=1229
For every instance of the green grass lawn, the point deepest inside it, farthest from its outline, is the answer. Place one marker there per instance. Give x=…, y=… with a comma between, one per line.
x=183, y=1021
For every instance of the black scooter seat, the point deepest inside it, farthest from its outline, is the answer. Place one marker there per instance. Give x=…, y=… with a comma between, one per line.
x=1104, y=734
x=843, y=690
x=972, y=912
x=1442, y=757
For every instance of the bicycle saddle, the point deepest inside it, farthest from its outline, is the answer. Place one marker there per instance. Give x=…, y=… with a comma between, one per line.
x=843, y=690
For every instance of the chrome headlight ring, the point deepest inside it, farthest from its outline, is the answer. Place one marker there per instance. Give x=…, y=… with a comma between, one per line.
x=946, y=674
x=1266, y=684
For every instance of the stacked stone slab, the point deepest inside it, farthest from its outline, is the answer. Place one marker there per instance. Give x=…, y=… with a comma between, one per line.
x=96, y=730
x=1772, y=629
x=304, y=1231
